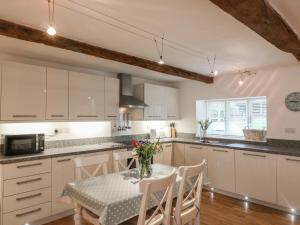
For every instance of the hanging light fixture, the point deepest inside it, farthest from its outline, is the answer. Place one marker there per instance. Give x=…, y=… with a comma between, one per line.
x=213, y=72
x=160, y=51
x=51, y=30
x=244, y=75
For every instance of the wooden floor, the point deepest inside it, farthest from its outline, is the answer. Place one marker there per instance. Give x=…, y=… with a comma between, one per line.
x=218, y=209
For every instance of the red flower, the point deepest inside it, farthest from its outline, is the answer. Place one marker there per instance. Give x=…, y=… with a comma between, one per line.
x=135, y=143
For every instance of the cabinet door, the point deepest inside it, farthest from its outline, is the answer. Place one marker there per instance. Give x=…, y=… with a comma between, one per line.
x=158, y=158
x=221, y=168
x=179, y=154
x=86, y=96
x=63, y=172
x=153, y=97
x=172, y=103
x=195, y=154
x=256, y=175
x=112, y=93
x=57, y=94
x=288, y=181
x=23, y=92
x=167, y=154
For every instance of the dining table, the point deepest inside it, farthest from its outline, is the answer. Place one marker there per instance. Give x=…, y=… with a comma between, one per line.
x=115, y=197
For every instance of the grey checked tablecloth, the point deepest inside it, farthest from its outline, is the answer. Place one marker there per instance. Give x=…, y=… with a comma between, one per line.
x=115, y=197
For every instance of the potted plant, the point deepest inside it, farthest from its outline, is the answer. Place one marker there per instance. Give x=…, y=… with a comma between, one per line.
x=145, y=150
x=204, y=125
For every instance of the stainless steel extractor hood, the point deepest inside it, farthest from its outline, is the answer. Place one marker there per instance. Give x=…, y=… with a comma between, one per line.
x=126, y=93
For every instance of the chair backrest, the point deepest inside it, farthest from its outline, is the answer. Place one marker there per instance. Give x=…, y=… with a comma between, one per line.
x=91, y=166
x=120, y=160
x=149, y=187
x=189, y=195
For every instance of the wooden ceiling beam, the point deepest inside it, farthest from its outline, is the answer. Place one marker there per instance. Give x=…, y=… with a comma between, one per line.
x=18, y=31
x=260, y=16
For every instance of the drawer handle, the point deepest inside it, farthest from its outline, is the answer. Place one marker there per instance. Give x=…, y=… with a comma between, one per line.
x=112, y=116
x=29, y=165
x=29, y=212
x=29, y=196
x=171, y=116
x=293, y=160
x=29, y=181
x=154, y=116
x=56, y=116
x=262, y=156
x=24, y=116
x=88, y=116
x=63, y=160
x=168, y=146
x=219, y=150
x=196, y=147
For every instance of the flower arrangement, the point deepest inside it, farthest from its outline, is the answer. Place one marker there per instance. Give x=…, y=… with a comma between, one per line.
x=145, y=150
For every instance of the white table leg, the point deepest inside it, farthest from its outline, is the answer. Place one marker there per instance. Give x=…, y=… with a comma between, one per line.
x=77, y=215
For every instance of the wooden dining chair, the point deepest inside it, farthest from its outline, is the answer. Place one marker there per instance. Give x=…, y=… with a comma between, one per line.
x=87, y=167
x=120, y=160
x=187, y=208
x=149, y=187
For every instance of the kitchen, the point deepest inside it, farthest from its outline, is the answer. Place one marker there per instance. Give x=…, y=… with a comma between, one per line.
x=72, y=94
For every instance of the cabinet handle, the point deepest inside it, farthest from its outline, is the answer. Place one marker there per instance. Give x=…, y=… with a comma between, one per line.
x=29, y=196
x=24, y=116
x=57, y=116
x=154, y=116
x=88, y=116
x=293, y=160
x=168, y=146
x=219, y=150
x=112, y=116
x=29, y=165
x=28, y=181
x=63, y=160
x=195, y=147
x=249, y=154
x=29, y=212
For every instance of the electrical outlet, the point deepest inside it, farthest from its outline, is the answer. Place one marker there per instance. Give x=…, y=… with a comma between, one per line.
x=290, y=130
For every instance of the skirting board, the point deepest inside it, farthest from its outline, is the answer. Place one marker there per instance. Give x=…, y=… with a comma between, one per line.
x=53, y=218
x=259, y=202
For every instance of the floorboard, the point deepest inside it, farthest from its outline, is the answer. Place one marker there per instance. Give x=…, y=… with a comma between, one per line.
x=217, y=209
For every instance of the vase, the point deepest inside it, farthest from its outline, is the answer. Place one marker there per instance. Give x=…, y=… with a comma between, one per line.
x=145, y=170
x=203, y=136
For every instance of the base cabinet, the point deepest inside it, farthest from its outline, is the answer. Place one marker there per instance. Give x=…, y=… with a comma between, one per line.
x=63, y=172
x=221, y=168
x=194, y=155
x=256, y=175
x=178, y=154
x=164, y=157
x=288, y=182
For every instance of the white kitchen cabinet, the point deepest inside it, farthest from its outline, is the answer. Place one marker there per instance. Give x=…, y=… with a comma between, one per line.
x=57, y=94
x=23, y=92
x=63, y=172
x=256, y=175
x=86, y=96
x=288, y=181
x=172, y=103
x=195, y=154
x=164, y=157
x=153, y=96
x=221, y=168
x=112, y=95
x=178, y=154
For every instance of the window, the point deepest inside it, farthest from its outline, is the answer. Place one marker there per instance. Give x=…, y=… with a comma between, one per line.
x=231, y=116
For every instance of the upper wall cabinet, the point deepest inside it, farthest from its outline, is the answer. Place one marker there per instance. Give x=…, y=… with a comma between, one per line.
x=23, y=92
x=57, y=94
x=162, y=101
x=112, y=95
x=86, y=96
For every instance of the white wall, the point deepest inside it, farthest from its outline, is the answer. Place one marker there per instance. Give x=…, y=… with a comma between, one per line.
x=276, y=84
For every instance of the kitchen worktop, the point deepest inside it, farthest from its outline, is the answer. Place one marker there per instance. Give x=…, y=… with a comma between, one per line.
x=83, y=149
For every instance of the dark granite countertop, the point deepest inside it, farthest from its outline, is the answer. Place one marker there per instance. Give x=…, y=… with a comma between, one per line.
x=83, y=149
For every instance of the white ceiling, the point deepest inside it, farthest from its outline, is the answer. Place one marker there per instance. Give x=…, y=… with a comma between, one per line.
x=200, y=26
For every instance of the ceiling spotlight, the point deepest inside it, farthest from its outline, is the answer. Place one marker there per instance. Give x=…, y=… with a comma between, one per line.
x=51, y=31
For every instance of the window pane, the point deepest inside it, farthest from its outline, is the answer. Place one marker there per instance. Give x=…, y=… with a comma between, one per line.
x=237, y=117
x=258, y=113
x=216, y=113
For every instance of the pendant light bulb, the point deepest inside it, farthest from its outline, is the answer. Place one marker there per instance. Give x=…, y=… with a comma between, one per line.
x=51, y=30
x=161, y=62
x=241, y=82
x=216, y=72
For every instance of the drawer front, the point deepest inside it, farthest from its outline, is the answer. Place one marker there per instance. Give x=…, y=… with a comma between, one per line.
x=29, y=168
x=24, y=200
x=27, y=215
x=25, y=184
